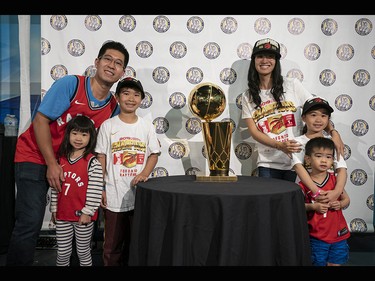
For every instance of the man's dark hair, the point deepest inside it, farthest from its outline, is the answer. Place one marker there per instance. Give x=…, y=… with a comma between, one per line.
x=114, y=45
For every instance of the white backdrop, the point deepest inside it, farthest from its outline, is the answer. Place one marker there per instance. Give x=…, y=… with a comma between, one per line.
x=333, y=56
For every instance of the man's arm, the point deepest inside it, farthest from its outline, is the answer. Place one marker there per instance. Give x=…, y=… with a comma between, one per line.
x=43, y=138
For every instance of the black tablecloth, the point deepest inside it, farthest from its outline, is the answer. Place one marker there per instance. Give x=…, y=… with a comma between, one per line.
x=254, y=221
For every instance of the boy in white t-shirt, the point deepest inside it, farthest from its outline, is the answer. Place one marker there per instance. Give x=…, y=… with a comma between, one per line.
x=316, y=114
x=128, y=149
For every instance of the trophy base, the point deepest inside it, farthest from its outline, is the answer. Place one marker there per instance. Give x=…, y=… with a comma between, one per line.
x=216, y=178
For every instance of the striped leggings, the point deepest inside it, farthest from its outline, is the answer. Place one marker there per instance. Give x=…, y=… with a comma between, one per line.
x=64, y=238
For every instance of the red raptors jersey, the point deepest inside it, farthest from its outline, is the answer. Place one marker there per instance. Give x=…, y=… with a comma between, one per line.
x=72, y=197
x=27, y=149
x=331, y=227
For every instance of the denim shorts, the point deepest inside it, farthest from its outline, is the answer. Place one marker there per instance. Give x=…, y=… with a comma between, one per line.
x=323, y=253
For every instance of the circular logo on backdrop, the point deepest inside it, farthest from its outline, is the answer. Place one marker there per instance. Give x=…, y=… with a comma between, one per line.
x=283, y=51
x=58, y=22
x=45, y=46
x=192, y=171
x=239, y=101
x=203, y=150
x=327, y=77
x=372, y=102
x=228, y=76
x=211, y=50
x=361, y=77
x=345, y=52
x=129, y=72
x=147, y=101
x=194, y=75
x=161, y=125
x=371, y=152
x=76, y=47
x=243, y=151
x=347, y=152
x=58, y=71
x=193, y=125
x=230, y=120
x=93, y=22
x=262, y=26
x=244, y=51
x=178, y=49
x=373, y=52
x=177, y=100
x=90, y=71
x=363, y=26
x=296, y=26
x=177, y=150
x=312, y=51
x=360, y=127
x=358, y=225
x=370, y=202
x=295, y=73
x=161, y=75
x=329, y=27
x=161, y=24
x=159, y=172
x=229, y=25
x=144, y=49
x=195, y=24
x=358, y=177
x=127, y=23
x=343, y=102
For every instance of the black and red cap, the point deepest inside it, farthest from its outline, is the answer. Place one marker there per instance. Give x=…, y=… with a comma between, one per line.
x=130, y=82
x=315, y=103
x=266, y=45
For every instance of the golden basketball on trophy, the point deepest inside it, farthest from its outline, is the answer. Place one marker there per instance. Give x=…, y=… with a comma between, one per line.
x=207, y=101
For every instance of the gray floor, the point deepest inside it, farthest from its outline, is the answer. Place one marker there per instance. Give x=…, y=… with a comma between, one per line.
x=362, y=252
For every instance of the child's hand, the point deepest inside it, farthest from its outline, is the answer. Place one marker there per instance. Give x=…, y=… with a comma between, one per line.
x=321, y=208
x=335, y=205
x=84, y=219
x=322, y=197
x=138, y=178
x=103, y=203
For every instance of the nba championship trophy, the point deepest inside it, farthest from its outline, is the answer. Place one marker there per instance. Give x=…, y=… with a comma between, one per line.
x=207, y=102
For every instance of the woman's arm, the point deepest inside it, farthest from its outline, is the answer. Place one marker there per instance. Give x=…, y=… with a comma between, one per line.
x=287, y=147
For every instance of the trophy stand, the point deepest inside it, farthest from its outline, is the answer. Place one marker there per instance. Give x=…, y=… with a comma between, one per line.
x=207, y=101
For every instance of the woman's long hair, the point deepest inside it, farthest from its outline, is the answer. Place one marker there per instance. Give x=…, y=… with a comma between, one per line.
x=253, y=82
x=81, y=124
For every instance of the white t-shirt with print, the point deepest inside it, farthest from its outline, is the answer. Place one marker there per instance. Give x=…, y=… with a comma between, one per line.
x=280, y=124
x=127, y=147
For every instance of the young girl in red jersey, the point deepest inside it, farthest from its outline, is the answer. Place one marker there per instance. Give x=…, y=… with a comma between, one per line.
x=75, y=208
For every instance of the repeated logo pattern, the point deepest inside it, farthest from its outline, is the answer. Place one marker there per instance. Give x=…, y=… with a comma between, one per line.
x=333, y=56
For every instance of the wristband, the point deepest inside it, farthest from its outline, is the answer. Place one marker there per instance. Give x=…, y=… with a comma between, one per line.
x=316, y=194
x=330, y=132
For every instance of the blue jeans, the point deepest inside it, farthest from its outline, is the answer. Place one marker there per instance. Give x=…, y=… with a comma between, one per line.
x=288, y=175
x=32, y=187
